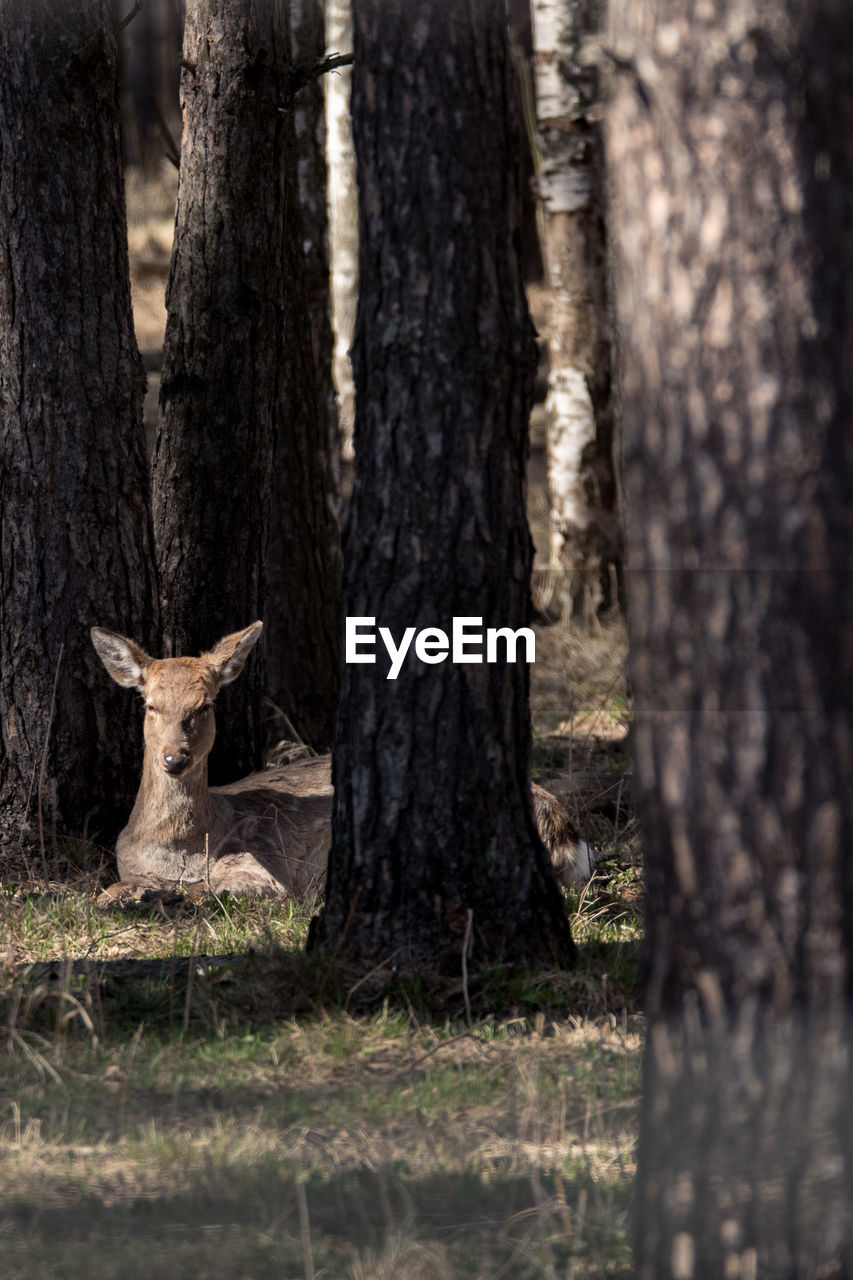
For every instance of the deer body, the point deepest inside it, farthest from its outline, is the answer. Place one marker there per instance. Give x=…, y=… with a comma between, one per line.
x=267, y=835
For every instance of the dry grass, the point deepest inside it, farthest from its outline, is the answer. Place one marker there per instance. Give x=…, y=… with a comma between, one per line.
x=336, y=1144
x=151, y=224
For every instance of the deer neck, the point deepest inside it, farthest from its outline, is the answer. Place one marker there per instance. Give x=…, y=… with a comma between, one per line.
x=173, y=810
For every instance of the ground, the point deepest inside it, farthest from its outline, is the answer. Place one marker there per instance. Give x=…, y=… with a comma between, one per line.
x=184, y=1090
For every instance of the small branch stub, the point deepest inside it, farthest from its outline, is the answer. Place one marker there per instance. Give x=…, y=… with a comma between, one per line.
x=302, y=73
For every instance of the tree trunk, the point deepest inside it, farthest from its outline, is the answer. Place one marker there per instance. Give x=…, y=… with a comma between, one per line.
x=584, y=526
x=435, y=850
x=150, y=50
x=308, y=40
x=75, y=522
x=224, y=336
x=735, y=253
x=521, y=46
x=303, y=630
x=343, y=214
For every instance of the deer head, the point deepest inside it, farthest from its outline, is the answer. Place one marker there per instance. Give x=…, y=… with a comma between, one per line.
x=179, y=693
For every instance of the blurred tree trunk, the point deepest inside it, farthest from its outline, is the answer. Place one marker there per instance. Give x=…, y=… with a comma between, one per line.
x=571, y=184
x=303, y=629
x=150, y=49
x=735, y=252
x=521, y=45
x=308, y=41
x=435, y=849
x=343, y=215
x=75, y=522
x=231, y=364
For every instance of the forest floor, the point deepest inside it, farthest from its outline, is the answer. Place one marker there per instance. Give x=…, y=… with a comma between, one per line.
x=183, y=1090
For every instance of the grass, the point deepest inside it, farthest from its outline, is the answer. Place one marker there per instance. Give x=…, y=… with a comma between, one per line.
x=334, y=1145
x=264, y=1117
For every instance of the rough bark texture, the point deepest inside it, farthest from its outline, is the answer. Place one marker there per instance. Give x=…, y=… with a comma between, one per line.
x=732, y=166
x=222, y=367
x=303, y=635
x=432, y=823
x=585, y=539
x=75, y=524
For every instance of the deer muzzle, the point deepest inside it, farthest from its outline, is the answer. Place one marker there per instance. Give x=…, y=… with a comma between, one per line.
x=175, y=761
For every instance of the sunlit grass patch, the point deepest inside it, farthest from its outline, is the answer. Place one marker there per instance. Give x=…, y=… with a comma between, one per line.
x=62, y=920
x=487, y=1153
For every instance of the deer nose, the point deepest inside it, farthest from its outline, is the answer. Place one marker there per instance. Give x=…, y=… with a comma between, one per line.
x=175, y=761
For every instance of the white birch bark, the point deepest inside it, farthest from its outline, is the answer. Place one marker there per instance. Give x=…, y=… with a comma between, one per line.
x=343, y=214
x=569, y=187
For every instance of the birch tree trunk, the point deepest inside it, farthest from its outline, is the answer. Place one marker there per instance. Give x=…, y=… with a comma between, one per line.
x=75, y=520
x=732, y=165
x=435, y=850
x=579, y=440
x=343, y=214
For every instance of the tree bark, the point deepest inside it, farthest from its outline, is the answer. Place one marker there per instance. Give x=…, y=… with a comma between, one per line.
x=303, y=630
x=227, y=368
x=75, y=521
x=435, y=851
x=585, y=537
x=734, y=256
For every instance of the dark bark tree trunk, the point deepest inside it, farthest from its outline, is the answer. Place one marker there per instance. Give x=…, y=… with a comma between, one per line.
x=303, y=636
x=433, y=835
x=585, y=535
x=75, y=521
x=732, y=165
x=228, y=369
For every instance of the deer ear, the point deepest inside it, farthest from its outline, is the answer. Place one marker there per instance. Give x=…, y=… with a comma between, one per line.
x=229, y=656
x=123, y=659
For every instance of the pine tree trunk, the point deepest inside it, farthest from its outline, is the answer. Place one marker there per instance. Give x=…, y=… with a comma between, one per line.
x=734, y=250
x=433, y=836
x=584, y=528
x=75, y=522
x=222, y=358
x=303, y=632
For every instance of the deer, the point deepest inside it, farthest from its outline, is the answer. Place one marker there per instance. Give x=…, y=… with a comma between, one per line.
x=267, y=835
